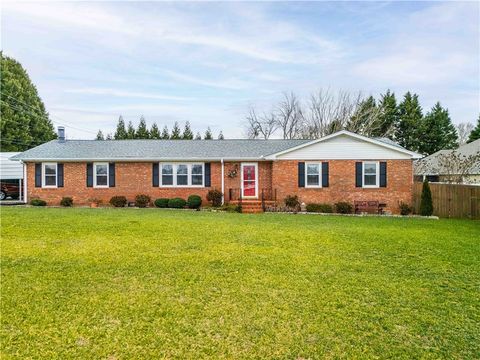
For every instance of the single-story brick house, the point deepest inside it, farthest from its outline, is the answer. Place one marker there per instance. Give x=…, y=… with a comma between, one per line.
x=340, y=167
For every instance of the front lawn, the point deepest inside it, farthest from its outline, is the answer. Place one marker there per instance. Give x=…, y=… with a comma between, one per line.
x=129, y=283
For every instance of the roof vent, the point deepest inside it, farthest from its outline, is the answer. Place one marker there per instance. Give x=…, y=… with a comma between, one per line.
x=61, y=134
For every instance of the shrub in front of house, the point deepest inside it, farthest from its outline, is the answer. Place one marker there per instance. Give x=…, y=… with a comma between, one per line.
x=426, y=203
x=215, y=197
x=231, y=208
x=66, y=201
x=292, y=202
x=38, y=202
x=343, y=207
x=161, y=203
x=142, y=200
x=177, y=203
x=320, y=208
x=405, y=209
x=118, y=201
x=194, y=202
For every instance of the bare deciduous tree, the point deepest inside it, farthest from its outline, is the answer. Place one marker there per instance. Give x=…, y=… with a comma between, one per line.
x=289, y=116
x=463, y=130
x=260, y=126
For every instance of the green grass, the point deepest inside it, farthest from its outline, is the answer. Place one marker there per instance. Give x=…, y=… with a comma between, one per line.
x=126, y=283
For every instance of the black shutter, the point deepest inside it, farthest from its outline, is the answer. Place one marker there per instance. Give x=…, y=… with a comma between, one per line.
x=301, y=174
x=155, y=175
x=208, y=176
x=324, y=174
x=111, y=174
x=358, y=174
x=60, y=175
x=383, y=174
x=38, y=175
x=89, y=175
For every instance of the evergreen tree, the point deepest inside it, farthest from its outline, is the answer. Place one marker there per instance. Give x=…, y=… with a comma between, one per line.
x=198, y=136
x=426, y=204
x=187, y=132
x=220, y=136
x=364, y=119
x=208, y=134
x=176, y=135
x=142, y=131
x=120, y=133
x=475, y=134
x=100, y=135
x=130, y=131
x=154, y=132
x=165, y=133
x=407, y=132
x=437, y=131
x=109, y=137
x=387, y=116
x=24, y=122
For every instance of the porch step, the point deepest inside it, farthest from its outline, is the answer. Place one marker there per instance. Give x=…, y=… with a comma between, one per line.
x=251, y=206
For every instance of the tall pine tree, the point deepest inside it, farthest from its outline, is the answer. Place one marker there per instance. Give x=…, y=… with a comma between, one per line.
x=387, y=116
x=176, y=135
x=220, y=136
x=187, y=132
x=409, y=123
x=24, y=122
x=154, y=132
x=165, y=133
x=364, y=119
x=120, y=133
x=130, y=131
x=100, y=135
x=198, y=136
x=437, y=131
x=208, y=134
x=142, y=131
x=475, y=134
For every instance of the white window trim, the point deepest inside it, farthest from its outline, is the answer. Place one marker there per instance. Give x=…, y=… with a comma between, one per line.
x=319, y=174
x=256, y=180
x=174, y=174
x=95, y=175
x=44, y=175
x=377, y=174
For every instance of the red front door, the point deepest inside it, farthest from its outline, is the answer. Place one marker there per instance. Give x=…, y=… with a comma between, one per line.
x=249, y=178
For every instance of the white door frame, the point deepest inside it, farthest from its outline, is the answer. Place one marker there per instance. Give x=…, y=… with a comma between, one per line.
x=256, y=179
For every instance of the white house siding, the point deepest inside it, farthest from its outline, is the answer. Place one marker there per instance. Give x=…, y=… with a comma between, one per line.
x=10, y=169
x=344, y=147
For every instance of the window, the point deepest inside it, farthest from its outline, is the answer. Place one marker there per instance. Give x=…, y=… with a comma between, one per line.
x=313, y=175
x=182, y=174
x=49, y=175
x=101, y=174
x=370, y=174
x=167, y=174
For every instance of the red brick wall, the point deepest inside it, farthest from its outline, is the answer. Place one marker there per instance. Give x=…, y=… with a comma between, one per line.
x=136, y=178
x=130, y=179
x=342, y=184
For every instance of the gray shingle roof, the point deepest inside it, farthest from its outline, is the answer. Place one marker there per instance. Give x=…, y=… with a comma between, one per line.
x=156, y=149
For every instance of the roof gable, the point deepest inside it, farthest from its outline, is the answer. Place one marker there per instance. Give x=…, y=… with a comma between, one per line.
x=345, y=145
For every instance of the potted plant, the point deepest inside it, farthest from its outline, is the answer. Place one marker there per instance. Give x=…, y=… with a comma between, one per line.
x=94, y=202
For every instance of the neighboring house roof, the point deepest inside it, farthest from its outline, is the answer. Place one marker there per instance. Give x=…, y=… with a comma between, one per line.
x=430, y=165
x=76, y=150
x=158, y=150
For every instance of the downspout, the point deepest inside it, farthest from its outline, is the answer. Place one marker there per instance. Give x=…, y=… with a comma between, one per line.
x=25, y=180
x=223, y=181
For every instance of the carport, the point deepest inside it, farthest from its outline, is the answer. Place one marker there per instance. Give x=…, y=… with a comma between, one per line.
x=11, y=175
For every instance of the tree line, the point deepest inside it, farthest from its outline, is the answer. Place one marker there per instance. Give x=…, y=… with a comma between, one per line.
x=142, y=132
x=326, y=112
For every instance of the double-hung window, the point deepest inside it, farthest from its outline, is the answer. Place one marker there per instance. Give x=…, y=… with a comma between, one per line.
x=370, y=174
x=182, y=174
x=100, y=174
x=313, y=174
x=50, y=175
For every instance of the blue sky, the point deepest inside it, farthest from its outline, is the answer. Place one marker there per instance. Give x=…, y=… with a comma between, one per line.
x=207, y=62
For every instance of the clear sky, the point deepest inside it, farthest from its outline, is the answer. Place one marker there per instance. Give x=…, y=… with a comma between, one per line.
x=206, y=62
